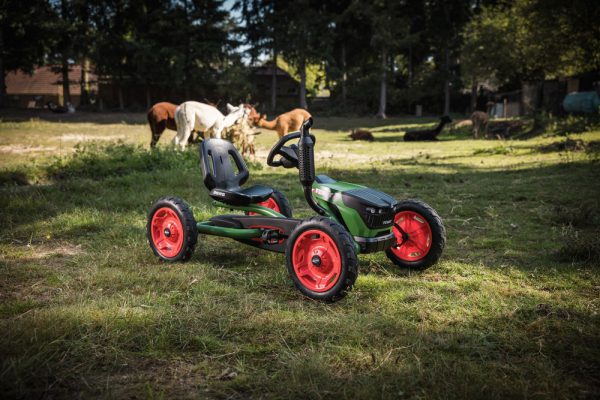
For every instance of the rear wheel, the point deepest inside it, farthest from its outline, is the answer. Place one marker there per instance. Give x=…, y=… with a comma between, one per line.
x=321, y=259
x=171, y=229
x=277, y=202
x=420, y=235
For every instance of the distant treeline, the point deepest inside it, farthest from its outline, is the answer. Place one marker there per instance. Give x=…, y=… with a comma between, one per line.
x=381, y=56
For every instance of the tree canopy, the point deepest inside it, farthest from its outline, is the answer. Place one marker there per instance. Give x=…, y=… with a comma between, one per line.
x=373, y=57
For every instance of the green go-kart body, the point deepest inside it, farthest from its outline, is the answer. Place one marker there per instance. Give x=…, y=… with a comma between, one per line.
x=367, y=214
x=320, y=251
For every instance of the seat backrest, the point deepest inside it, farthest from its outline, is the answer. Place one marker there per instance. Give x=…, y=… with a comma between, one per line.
x=217, y=156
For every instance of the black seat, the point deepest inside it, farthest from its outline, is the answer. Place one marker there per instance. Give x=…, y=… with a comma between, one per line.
x=218, y=157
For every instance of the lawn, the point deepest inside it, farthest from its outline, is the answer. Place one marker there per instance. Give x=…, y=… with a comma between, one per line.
x=86, y=310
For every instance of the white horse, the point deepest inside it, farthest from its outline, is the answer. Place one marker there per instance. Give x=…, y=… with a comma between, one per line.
x=193, y=116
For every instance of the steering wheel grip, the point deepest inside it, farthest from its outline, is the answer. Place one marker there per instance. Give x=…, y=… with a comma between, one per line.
x=285, y=153
x=277, y=148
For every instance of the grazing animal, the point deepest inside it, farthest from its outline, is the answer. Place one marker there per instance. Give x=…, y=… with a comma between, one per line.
x=361, y=134
x=480, y=123
x=428, y=134
x=201, y=117
x=160, y=117
x=253, y=115
x=284, y=123
x=241, y=134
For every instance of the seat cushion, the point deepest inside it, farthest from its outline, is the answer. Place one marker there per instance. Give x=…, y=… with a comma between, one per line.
x=242, y=197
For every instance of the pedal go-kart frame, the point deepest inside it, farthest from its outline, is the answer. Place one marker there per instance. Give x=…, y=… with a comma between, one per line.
x=321, y=251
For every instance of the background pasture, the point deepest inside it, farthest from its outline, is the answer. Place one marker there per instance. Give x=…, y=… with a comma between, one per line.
x=510, y=311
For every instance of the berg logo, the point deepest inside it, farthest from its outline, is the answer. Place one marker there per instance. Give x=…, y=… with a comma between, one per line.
x=320, y=192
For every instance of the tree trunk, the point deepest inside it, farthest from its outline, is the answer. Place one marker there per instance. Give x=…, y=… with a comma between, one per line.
x=148, y=97
x=85, y=82
x=344, y=77
x=382, y=87
x=274, y=81
x=65, y=60
x=474, y=88
x=447, y=80
x=120, y=95
x=187, y=56
x=2, y=74
x=302, y=71
x=65, y=81
x=410, y=67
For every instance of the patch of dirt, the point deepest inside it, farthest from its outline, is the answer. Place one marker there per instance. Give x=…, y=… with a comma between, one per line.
x=23, y=149
x=82, y=137
x=31, y=252
x=328, y=155
x=177, y=378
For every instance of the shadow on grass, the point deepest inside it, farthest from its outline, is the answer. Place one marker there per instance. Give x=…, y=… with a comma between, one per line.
x=524, y=348
x=99, y=189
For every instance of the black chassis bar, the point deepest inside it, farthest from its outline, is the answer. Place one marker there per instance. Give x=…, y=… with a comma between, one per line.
x=284, y=227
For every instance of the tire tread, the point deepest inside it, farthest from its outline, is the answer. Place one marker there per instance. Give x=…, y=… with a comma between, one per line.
x=191, y=230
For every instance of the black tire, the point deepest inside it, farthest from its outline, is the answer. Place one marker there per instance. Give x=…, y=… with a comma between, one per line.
x=282, y=202
x=438, y=235
x=345, y=248
x=187, y=224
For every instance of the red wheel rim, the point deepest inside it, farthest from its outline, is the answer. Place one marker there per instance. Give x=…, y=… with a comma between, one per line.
x=269, y=203
x=414, y=236
x=316, y=260
x=167, y=232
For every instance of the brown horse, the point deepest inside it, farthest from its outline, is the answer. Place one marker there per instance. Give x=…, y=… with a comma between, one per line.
x=160, y=117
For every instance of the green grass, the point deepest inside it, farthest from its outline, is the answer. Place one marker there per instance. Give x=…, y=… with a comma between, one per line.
x=510, y=311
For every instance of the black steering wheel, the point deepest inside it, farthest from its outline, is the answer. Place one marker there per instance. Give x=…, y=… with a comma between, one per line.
x=289, y=154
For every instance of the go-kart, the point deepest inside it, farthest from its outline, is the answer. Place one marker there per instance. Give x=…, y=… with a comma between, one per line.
x=321, y=251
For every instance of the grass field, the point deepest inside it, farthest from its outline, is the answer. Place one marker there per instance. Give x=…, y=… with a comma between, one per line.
x=510, y=311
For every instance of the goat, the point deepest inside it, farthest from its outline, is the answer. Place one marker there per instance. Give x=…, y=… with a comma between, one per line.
x=428, y=134
x=202, y=117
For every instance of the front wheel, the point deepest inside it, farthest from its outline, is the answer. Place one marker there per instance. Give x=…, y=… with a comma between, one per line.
x=171, y=229
x=420, y=235
x=321, y=259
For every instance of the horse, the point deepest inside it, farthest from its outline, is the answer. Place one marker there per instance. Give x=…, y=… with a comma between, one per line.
x=160, y=117
x=192, y=115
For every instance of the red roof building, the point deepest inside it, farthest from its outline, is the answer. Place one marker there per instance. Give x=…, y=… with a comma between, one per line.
x=43, y=85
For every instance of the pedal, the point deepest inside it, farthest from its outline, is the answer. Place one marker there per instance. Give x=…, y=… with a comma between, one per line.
x=272, y=236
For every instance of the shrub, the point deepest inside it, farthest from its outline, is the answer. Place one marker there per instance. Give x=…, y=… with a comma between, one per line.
x=95, y=161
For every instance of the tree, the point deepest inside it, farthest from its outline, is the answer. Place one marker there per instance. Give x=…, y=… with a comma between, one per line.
x=445, y=22
x=23, y=37
x=261, y=31
x=302, y=42
x=113, y=52
x=530, y=40
x=69, y=38
x=487, y=55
